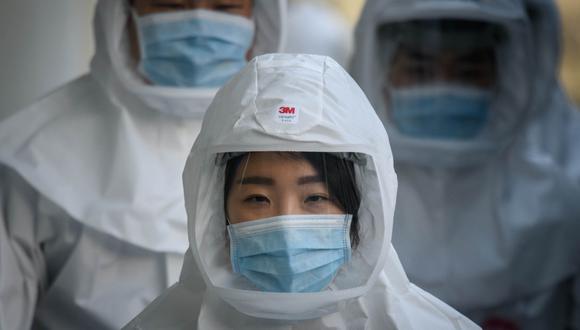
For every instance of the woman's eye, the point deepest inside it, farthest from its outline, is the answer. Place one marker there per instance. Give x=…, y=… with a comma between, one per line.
x=259, y=199
x=316, y=199
x=168, y=2
x=472, y=74
x=419, y=71
x=228, y=7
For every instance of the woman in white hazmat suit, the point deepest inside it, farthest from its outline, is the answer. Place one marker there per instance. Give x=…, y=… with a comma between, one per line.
x=490, y=181
x=239, y=273
x=92, y=220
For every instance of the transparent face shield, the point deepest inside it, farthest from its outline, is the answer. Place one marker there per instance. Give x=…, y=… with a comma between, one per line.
x=279, y=232
x=266, y=222
x=441, y=76
x=291, y=217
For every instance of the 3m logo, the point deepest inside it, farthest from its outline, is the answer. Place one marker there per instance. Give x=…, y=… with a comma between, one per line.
x=287, y=110
x=287, y=115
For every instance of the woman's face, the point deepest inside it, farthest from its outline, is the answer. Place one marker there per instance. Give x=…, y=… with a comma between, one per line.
x=268, y=184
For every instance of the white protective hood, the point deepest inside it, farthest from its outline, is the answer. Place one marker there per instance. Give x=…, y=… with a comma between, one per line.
x=332, y=115
x=110, y=149
x=505, y=228
x=375, y=49
x=111, y=52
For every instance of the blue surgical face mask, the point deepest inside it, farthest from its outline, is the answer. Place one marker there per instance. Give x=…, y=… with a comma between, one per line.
x=441, y=111
x=194, y=48
x=293, y=253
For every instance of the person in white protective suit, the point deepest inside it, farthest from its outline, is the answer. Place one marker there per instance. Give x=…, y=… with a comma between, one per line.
x=485, y=145
x=92, y=218
x=290, y=196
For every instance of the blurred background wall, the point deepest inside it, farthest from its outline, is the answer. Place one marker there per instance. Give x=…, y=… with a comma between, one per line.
x=43, y=44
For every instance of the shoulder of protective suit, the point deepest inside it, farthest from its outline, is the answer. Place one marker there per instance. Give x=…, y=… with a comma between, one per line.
x=56, y=120
x=68, y=97
x=552, y=136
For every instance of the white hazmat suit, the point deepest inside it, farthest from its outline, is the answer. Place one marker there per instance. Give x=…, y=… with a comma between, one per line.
x=489, y=225
x=331, y=114
x=92, y=219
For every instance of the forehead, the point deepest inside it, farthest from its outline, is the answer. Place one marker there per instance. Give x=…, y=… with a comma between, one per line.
x=425, y=53
x=450, y=34
x=188, y=2
x=239, y=7
x=274, y=164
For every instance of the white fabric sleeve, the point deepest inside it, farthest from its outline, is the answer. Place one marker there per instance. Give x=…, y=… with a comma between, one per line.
x=21, y=261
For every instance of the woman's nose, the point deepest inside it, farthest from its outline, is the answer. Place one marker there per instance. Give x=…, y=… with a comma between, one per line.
x=289, y=205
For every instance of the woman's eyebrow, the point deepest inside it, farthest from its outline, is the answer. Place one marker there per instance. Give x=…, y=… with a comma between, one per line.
x=309, y=179
x=165, y=2
x=261, y=180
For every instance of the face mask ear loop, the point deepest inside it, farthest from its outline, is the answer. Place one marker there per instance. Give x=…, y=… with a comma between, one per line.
x=241, y=179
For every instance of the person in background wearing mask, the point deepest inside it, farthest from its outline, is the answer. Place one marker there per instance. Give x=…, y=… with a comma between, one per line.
x=290, y=193
x=486, y=149
x=92, y=217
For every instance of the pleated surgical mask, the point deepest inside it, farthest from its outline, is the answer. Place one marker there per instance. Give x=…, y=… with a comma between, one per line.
x=194, y=48
x=291, y=253
x=440, y=111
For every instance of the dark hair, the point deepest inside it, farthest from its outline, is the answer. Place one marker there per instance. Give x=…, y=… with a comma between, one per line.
x=337, y=172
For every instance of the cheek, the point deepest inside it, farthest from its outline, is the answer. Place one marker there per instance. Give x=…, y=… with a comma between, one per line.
x=396, y=78
x=232, y=210
x=487, y=80
x=247, y=11
x=335, y=209
x=238, y=211
x=326, y=208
